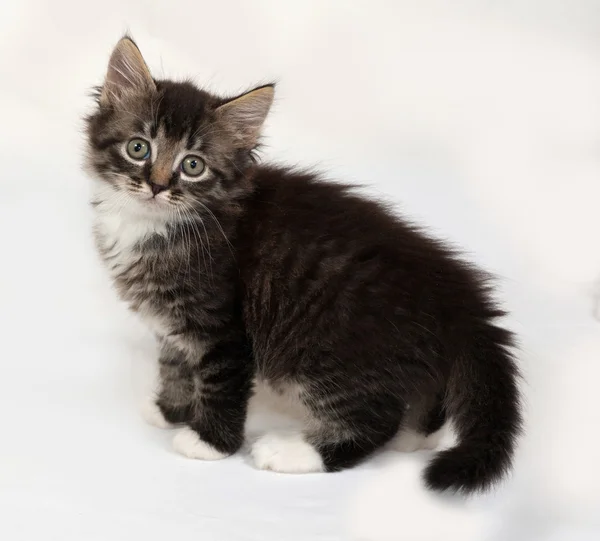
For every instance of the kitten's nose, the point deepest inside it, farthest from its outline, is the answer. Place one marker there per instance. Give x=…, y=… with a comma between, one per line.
x=157, y=188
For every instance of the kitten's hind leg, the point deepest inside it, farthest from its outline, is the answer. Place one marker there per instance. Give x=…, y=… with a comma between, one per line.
x=423, y=428
x=432, y=425
x=347, y=428
x=286, y=452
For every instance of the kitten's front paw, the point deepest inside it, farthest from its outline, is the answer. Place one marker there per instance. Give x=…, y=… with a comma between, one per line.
x=188, y=443
x=152, y=414
x=286, y=453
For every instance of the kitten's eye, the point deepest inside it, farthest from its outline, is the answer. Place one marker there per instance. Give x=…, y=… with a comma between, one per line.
x=192, y=166
x=138, y=149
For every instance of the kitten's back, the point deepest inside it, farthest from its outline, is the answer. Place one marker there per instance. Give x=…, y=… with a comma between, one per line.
x=330, y=274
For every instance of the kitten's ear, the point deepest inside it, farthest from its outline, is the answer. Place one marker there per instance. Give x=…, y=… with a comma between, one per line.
x=245, y=115
x=127, y=72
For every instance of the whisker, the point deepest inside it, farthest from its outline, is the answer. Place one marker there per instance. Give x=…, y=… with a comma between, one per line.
x=209, y=267
x=200, y=243
x=211, y=214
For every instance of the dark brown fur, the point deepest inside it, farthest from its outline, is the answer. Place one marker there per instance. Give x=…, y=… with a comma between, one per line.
x=277, y=274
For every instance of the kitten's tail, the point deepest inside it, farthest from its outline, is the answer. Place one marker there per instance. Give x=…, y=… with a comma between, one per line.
x=483, y=401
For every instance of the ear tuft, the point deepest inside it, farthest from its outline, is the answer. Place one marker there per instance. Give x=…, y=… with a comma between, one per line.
x=127, y=73
x=245, y=115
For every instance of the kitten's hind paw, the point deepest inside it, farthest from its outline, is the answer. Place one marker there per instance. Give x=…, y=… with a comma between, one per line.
x=286, y=453
x=434, y=440
x=152, y=414
x=408, y=441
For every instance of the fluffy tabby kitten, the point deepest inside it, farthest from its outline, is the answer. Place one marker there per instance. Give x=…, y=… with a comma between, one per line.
x=246, y=272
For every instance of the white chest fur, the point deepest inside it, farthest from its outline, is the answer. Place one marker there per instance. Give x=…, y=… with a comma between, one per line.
x=120, y=233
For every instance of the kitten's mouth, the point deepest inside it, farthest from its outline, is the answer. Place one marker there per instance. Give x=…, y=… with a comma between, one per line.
x=155, y=202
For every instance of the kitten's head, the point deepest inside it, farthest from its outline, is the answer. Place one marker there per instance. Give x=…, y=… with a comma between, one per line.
x=162, y=147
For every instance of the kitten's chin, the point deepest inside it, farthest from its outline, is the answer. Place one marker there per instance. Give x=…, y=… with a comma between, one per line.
x=151, y=206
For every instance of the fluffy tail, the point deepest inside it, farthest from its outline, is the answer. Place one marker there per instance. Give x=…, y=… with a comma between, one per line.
x=483, y=401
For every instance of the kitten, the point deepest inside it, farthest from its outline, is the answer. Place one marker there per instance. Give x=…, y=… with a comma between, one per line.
x=246, y=272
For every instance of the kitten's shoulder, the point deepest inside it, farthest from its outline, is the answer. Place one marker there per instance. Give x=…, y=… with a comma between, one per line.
x=286, y=182
x=304, y=200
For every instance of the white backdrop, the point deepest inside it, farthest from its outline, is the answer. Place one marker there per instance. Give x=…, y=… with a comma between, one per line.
x=480, y=118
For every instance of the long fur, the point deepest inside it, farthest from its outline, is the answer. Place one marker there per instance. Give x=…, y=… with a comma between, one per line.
x=274, y=273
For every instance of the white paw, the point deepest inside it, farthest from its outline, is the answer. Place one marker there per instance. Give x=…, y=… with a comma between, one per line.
x=433, y=440
x=152, y=414
x=187, y=443
x=408, y=441
x=286, y=453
